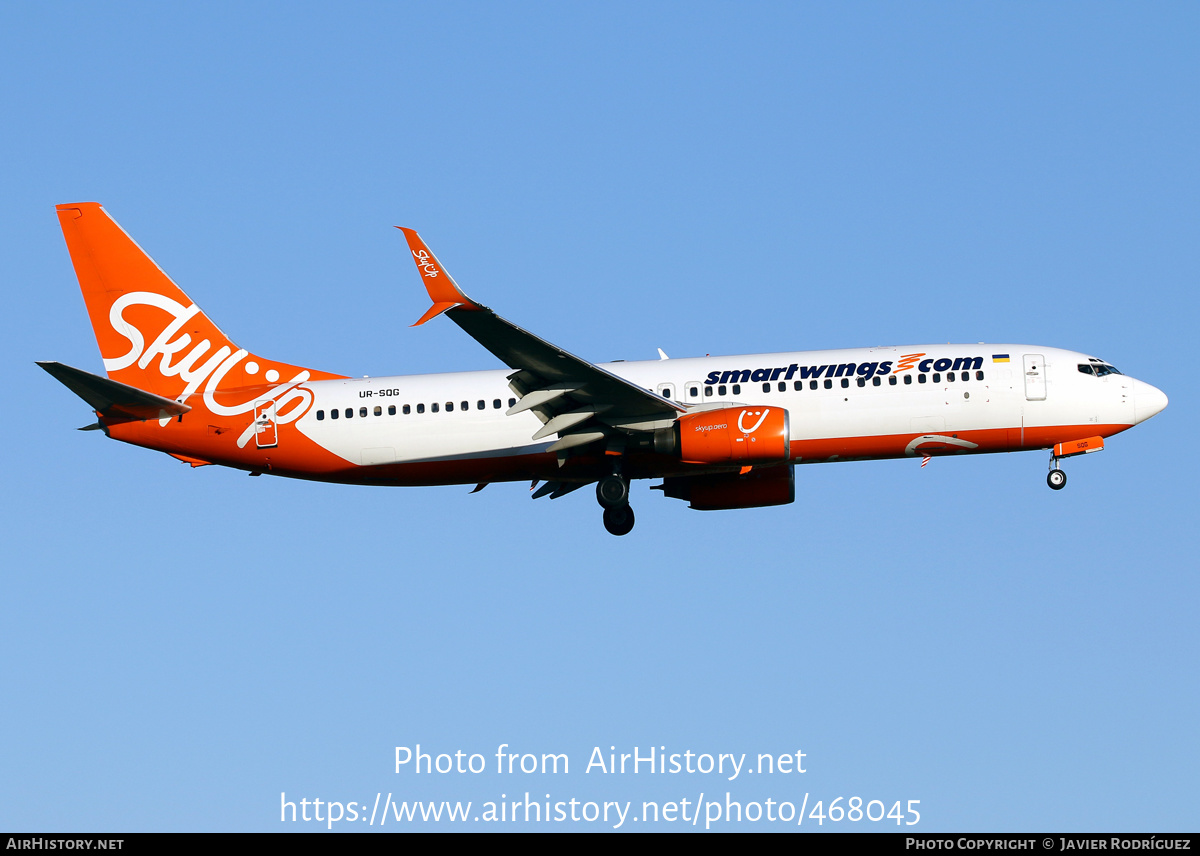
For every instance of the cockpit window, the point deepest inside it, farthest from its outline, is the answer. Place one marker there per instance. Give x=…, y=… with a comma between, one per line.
x=1085, y=368
x=1105, y=369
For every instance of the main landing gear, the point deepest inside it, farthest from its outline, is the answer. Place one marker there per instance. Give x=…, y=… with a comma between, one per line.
x=619, y=521
x=612, y=492
x=1056, y=478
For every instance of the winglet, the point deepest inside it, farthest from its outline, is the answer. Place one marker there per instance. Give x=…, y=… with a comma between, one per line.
x=443, y=291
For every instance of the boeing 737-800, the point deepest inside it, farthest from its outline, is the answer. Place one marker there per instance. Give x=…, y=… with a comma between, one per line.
x=721, y=432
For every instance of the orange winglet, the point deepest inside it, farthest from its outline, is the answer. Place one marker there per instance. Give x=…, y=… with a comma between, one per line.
x=443, y=291
x=434, y=311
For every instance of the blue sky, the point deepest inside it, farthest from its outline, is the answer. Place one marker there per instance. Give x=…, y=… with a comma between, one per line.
x=179, y=647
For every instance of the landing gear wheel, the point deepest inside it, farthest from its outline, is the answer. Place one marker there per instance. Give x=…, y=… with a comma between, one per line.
x=612, y=492
x=619, y=521
x=1057, y=479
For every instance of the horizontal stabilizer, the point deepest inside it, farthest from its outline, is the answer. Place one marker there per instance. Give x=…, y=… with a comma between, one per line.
x=112, y=399
x=188, y=459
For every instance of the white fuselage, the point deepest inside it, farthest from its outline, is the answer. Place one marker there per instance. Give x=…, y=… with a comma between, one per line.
x=461, y=415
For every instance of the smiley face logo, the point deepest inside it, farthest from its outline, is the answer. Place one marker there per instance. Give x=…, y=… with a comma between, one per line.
x=761, y=418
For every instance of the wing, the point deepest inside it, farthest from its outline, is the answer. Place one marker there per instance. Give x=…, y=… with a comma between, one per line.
x=575, y=399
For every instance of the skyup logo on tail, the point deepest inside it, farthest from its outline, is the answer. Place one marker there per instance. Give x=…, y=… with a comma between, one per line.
x=171, y=343
x=833, y=370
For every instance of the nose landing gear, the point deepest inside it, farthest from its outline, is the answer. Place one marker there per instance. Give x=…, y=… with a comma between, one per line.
x=1056, y=478
x=612, y=492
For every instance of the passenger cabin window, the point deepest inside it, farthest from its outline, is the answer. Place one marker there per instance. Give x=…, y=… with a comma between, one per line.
x=693, y=391
x=875, y=381
x=320, y=415
x=782, y=386
x=511, y=402
x=721, y=391
x=407, y=409
x=828, y=384
x=333, y=414
x=862, y=381
x=449, y=406
x=766, y=387
x=433, y=408
x=362, y=411
x=421, y=408
x=349, y=412
x=937, y=378
x=812, y=384
x=466, y=405
x=978, y=375
x=378, y=410
x=845, y=383
x=496, y=403
x=921, y=378
x=798, y=385
x=391, y=410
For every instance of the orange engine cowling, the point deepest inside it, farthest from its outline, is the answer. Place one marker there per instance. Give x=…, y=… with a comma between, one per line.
x=755, y=489
x=735, y=435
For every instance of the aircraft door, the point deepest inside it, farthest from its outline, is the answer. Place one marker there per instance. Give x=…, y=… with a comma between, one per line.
x=266, y=432
x=667, y=391
x=692, y=392
x=1035, y=377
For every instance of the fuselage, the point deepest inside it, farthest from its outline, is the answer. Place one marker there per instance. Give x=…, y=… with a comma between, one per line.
x=851, y=404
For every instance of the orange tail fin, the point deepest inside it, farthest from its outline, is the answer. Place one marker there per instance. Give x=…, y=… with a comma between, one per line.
x=151, y=335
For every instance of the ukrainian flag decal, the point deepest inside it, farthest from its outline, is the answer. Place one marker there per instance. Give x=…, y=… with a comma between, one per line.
x=999, y=358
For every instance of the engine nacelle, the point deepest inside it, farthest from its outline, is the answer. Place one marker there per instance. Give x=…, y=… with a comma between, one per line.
x=734, y=435
x=756, y=489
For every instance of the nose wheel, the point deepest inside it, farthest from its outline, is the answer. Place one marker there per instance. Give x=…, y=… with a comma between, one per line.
x=1056, y=478
x=612, y=492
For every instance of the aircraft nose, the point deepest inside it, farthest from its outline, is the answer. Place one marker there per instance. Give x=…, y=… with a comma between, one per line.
x=1147, y=401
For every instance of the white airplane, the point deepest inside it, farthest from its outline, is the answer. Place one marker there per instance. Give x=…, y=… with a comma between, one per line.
x=721, y=432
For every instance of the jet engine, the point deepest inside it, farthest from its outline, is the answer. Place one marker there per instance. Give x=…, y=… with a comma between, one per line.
x=731, y=435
